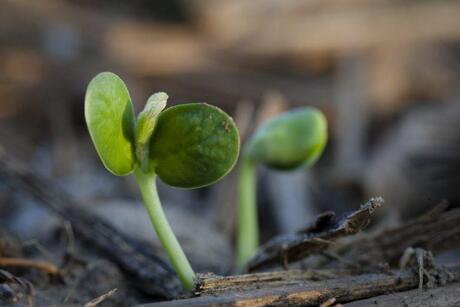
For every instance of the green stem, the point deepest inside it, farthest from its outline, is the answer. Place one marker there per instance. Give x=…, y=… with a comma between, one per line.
x=248, y=228
x=164, y=232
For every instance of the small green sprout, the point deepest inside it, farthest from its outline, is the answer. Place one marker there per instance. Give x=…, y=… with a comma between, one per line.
x=291, y=140
x=187, y=146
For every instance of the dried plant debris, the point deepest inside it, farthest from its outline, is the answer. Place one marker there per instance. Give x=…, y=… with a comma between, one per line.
x=211, y=284
x=310, y=293
x=436, y=231
x=43, y=266
x=316, y=238
x=445, y=296
x=15, y=290
x=151, y=275
x=430, y=274
x=100, y=299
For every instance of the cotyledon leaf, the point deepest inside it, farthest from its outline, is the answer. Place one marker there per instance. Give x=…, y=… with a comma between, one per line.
x=194, y=145
x=292, y=139
x=110, y=119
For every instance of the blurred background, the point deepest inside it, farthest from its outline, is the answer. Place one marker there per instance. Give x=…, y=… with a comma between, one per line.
x=385, y=72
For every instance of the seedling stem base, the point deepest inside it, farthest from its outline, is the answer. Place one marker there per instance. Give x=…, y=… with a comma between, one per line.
x=180, y=263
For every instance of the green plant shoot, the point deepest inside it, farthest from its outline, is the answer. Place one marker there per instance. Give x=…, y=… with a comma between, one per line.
x=187, y=146
x=291, y=140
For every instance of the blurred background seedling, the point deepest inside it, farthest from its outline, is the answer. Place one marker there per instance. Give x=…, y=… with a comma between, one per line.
x=288, y=141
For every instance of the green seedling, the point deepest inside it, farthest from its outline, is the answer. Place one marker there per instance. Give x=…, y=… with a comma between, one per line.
x=187, y=146
x=291, y=140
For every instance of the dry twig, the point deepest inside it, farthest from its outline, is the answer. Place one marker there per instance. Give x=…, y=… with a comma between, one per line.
x=44, y=266
x=100, y=299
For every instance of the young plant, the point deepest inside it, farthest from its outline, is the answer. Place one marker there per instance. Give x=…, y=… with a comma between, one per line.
x=187, y=146
x=291, y=140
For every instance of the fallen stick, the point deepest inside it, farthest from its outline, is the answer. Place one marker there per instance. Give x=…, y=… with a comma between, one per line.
x=211, y=284
x=27, y=263
x=314, y=239
x=150, y=273
x=309, y=293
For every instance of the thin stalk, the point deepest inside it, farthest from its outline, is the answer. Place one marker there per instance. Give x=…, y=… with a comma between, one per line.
x=179, y=261
x=248, y=228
